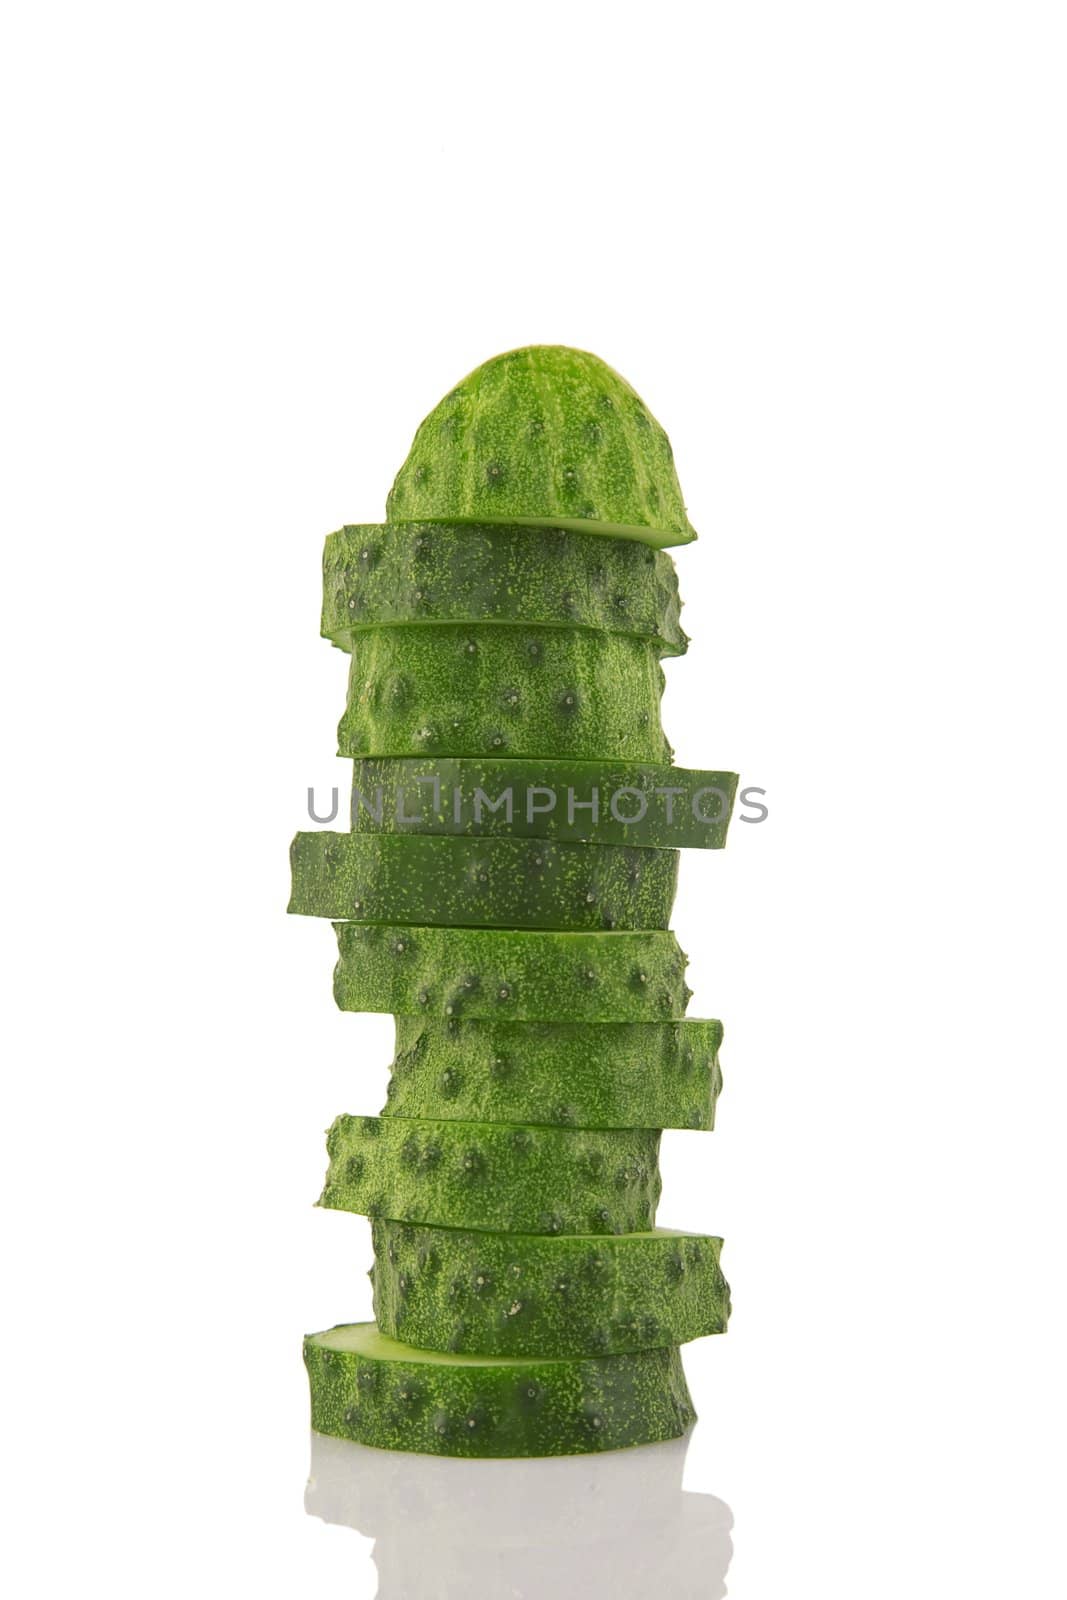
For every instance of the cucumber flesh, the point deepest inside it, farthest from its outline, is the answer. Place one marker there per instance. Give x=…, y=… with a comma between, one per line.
x=481, y=883
x=602, y=802
x=469, y=690
x=471, y=1174
x=510, y=976
x=544, y=435
x=566, y=1074
x=368, y=1387
x=523, y=1295
x=426, y=573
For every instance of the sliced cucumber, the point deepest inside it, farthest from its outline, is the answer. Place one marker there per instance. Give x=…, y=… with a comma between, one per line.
x=544, y=434
x=518, y=977
x=490, y=1174
x=567, y=1074
x=522, y=1294
x=606, y=802
x=367, y=1387
x=481, y=883
x=433, y=572
x=502, y=690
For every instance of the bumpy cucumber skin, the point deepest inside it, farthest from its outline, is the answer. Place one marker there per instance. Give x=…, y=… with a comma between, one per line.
x=488, y=1294
x=564, y=1074
x=544, y=434
x=378, y=575
x=533, y=1408
x=481, y=883
x=476, y=1174
x=406, y=805
x=528, y=976
x=486, y=688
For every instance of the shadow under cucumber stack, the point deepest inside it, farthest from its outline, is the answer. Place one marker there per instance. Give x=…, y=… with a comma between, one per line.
x=505, y=890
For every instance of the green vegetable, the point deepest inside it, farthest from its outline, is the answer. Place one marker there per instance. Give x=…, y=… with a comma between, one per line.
x=504, y=891
x=433, y=572
x=529, y=1295
x=672, y=806
x=544, y=435
x=481, y=883
x=481, y=1174
x=368, y=1387
x=518, y=977
x=491, y=688
x=570, y=1074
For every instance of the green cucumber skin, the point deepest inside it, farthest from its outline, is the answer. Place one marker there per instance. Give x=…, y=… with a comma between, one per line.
x=510, y=976
x=429, y=573
x=514, y=1295
x=563, y=1074
x=532, y=1408
x=468, y=1174
x=544, y=434
x=481, y=883
x=462, y=691
x=387, y=797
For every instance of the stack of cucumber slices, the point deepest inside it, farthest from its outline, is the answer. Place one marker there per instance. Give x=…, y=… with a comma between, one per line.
x=505, y=890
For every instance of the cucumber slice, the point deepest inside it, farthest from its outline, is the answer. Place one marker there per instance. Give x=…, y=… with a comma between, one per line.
x=487, y=688
x=477, y=1174
x=481, y=883
x=564, y=1074
x=544, y=435
x=518, y=977
x=672, y=807
x=522, y=1295
x=433, y=572
x=367, y=1387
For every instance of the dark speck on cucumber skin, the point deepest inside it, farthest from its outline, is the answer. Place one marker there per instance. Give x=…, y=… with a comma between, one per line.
x=494, y=473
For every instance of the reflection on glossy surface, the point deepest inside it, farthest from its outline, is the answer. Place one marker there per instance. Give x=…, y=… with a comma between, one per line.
x=569, y=1527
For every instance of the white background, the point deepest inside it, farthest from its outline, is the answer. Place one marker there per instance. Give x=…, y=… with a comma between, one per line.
x=248, y=247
